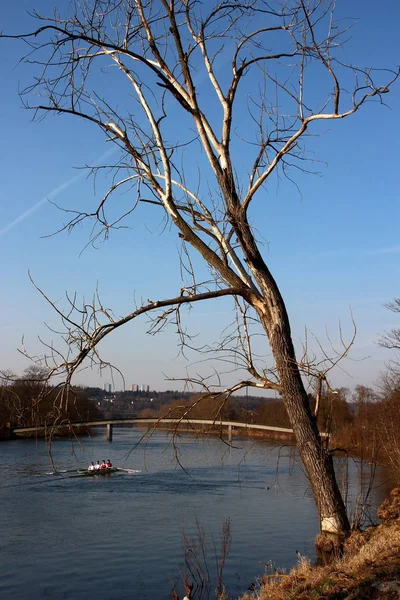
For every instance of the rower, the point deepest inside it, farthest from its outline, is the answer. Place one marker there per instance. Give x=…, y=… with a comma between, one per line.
x=91, y=466
x=103, y=465
x=97, y=466
x=109, y=465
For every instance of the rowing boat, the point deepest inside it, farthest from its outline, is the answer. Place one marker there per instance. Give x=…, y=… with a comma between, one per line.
x=95, y=472
x=107, y=471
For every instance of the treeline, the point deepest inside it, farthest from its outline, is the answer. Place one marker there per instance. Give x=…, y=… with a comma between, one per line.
x=125, y=404
x=196, y=406
x=29, y=400
x=366, y=423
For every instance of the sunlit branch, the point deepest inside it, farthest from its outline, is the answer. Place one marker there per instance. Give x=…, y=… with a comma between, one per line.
x=290, y=144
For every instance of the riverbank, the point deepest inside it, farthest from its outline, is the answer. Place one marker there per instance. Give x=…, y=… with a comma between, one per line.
x=64, y=431
x=368, y=569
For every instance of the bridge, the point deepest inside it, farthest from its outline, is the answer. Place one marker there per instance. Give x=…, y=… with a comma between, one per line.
x=189, y=423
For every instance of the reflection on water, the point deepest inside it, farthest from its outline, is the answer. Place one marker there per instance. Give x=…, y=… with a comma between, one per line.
x=118, y=537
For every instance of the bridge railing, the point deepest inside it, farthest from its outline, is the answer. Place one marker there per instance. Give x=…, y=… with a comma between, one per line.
x=109, y=423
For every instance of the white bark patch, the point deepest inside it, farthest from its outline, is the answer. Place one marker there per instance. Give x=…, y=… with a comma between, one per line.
x=330, y=525
x=223, y=162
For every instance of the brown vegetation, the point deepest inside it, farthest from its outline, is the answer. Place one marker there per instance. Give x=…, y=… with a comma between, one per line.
x=31, y=401
x=390, y=508
x=369, y=568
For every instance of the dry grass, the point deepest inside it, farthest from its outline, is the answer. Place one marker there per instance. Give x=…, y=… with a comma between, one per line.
x=370, y=557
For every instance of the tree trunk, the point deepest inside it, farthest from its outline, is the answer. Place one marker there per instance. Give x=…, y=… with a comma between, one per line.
x=317, y=461
x=315, y=456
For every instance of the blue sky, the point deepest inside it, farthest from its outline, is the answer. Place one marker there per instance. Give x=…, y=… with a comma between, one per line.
x=334, y=249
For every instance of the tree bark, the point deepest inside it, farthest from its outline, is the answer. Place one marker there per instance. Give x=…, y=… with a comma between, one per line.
x=315, y=456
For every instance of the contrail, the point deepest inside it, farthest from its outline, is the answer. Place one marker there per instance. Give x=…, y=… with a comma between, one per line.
x=53, y=194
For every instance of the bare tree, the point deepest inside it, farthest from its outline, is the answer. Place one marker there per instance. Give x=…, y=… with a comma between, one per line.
x=391, y=340
x=229, y=87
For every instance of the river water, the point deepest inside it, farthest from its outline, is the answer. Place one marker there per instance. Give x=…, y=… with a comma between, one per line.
x=122, y=536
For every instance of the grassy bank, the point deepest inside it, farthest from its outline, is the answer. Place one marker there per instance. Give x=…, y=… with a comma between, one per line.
x=368, y=569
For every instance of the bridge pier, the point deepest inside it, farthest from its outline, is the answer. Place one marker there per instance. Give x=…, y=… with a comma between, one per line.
x=229, y=433
x=109, y=432
x=7, y=432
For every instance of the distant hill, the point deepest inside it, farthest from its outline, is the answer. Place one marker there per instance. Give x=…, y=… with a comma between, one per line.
x=128, y=403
